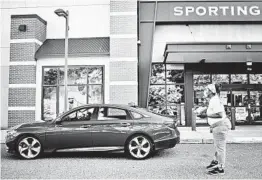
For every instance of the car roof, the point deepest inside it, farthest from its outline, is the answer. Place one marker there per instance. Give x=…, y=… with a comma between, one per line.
x=120, y=106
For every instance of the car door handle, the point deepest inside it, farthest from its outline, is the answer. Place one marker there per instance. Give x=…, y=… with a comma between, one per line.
x=85, y=126
x=125, y=124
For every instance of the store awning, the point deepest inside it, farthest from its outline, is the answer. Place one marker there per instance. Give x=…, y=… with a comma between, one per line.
x=208, y=52
x=98, y=46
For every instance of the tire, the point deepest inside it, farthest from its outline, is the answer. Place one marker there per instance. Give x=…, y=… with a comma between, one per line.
x=28, y=147
x=139, y=147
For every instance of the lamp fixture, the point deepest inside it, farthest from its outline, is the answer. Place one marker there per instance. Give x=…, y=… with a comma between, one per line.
x=249, y=63
x=248, y=46
x=228, y=46
x=61, y=12
x=22, y=28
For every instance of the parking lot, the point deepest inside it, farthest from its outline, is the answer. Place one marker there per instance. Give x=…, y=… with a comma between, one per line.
x=184, y=161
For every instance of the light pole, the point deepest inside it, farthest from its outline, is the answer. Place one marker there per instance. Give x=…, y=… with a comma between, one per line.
x=65, y=14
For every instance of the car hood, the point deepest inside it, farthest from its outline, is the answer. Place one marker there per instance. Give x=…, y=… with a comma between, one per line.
x=32, y=125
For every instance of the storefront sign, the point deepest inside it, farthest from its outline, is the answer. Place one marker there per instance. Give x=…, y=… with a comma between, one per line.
x=241, y=113
x=210, y=11
x=217, y=11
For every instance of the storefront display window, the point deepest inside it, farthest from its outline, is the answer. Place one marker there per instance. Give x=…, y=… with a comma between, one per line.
x=220, y=78
x=175, y=94
x=158, y=74
x=255, y=78
x=157, y=95
x=202, y=79
x=174, y=74
x=49, y=100
x=256, y=106
x=238, y=78
x=200, y=82
x=85, y=86
x=166, y=89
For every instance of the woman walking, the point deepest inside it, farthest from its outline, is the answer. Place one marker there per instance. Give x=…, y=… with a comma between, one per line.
x=219, y=126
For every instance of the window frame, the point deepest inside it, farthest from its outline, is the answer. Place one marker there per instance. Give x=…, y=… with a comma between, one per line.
x=128, y=115
x=57, y=86
x=75, y=111
x=165, y=103
x=142, y=115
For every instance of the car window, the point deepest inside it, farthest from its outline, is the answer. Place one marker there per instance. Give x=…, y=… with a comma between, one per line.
x=136, y=115
x=84, y=114
x=111, y=114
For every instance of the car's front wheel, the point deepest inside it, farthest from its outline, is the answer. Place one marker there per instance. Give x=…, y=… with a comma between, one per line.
x=139, y=147
x=29, y=147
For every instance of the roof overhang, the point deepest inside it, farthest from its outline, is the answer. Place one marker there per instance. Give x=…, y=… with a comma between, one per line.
x=208, y=52
x=77, y=47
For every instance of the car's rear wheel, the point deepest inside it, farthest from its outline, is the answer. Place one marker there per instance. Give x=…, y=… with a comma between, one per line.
x=29, y=147
x=139, y=147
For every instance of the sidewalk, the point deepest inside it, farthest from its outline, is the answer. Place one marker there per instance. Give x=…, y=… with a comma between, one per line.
x=202, y=135
x=242, y=134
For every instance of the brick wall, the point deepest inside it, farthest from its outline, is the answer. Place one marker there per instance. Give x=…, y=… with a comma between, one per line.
x=25, y=74
x=123, y=6
x=123, y=47
x=123, y=24
x=123, y=51
x=123, y=71
x=122, y=94
x=21, y=97
x=19, y=117
x=35, y=27
x=23, y=51
x=22, y=70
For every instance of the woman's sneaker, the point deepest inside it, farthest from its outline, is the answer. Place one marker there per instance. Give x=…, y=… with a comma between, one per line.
x=212, y=165
x=216, y=171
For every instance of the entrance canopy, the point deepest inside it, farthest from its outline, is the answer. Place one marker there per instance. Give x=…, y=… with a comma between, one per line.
x=212, y=52
x=190, y=43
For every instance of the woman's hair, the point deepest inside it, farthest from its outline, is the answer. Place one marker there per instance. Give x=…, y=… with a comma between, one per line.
x=218, y=88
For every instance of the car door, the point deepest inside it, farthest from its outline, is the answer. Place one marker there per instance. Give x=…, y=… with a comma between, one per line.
x=111, y=127
x=73, y=131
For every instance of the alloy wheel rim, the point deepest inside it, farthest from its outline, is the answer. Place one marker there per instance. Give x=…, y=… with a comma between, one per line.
x=139, y=147
x=29, y=147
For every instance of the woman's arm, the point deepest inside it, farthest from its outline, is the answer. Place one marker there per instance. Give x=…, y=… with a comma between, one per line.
x=216, y=115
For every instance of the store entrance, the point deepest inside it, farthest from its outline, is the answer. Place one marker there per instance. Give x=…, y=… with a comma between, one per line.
x=240, y=90
x=247, y=101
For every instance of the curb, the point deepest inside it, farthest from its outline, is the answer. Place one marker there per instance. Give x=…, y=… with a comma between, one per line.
x=243, y=140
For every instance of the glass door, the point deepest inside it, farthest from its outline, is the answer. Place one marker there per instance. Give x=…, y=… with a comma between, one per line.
x=256, y=106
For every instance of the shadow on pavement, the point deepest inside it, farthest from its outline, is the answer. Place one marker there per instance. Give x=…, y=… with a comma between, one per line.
x=89, y=155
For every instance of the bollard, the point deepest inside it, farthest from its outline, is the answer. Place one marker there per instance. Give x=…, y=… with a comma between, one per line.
x=233, y=118
x=193, y=120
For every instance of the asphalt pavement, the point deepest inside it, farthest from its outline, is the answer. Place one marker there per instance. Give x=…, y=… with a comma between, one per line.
x=184, y=161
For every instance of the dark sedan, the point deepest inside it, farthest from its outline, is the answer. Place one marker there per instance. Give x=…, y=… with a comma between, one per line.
x=96, y=127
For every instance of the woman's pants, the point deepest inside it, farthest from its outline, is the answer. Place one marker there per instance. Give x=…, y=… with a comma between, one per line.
x=220, y=135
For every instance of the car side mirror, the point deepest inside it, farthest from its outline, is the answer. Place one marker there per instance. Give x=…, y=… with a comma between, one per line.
x=58, y=122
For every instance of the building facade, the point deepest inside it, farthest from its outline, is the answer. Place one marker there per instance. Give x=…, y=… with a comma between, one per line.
x=102, y=56
x=157, y=54
x=189, y=44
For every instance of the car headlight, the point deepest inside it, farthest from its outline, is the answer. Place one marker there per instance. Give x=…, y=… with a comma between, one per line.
x=11, y=134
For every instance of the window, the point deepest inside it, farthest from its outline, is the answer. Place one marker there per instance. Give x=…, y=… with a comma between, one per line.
x=85, y=86
x=111, y=114
x=238, y=78
x=166, y=88
x=80, y=115
x=220, y=78
x=255, y=78
x=136, y=115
